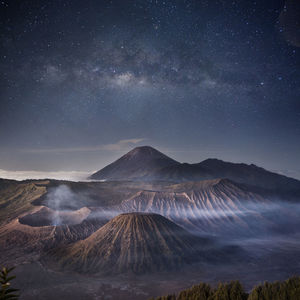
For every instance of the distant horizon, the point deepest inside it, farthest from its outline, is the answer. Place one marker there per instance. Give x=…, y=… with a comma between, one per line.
x=82, y=175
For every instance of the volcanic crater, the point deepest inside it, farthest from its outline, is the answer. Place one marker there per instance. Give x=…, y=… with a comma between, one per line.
x=49, y=217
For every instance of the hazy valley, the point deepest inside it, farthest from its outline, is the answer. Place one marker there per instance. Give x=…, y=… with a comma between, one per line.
x=150, y=226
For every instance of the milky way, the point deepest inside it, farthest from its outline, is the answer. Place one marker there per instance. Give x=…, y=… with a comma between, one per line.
x=84, y=81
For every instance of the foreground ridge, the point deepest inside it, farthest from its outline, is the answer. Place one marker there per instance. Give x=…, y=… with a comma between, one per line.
x=284, y=290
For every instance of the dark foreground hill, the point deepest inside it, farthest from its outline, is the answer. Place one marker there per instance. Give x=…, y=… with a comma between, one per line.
x=132, y=242
x=286, y=290
x=148, y=164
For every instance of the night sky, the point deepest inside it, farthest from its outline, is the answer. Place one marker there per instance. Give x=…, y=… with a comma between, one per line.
x=82, y=82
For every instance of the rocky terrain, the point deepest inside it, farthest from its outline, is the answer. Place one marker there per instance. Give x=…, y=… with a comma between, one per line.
x=132, y=242
x=25, y=239
x=214, y=218
x=217, y=206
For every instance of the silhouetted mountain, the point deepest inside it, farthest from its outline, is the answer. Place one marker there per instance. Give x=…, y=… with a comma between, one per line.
x=139, y=162
x=181, y=172
x=248, y=174
x=132, y=242
x=148, y=164
x=238, y=172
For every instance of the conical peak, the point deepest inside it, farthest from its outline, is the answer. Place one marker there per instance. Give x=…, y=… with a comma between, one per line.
x=132, y=242
x=139, y=163
x=144, y=151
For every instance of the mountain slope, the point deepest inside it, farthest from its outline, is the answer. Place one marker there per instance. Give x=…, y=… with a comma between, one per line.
x=148, y=164
x=217, y=206
x=249, y=174
x=132, y=242
x=136, y=164
x=17, y=197
x=241, y=173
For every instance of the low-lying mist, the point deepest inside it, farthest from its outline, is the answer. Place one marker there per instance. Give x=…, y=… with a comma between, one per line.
x=242, y=220
x=244, y=235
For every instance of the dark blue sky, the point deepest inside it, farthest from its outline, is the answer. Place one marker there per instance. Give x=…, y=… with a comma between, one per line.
x=82, y=82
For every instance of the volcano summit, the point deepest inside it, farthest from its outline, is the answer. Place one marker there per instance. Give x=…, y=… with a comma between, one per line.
x=139, y=163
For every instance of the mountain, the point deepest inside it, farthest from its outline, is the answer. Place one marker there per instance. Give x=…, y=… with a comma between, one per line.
x=249, y=174
x=16, y=198
x=239, y=172
x=132, y=242
x=219, y=207
x=148, y=164
x=140, y=162
x=26, y=237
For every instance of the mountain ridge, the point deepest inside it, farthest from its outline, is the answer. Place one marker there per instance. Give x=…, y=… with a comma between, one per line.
x=148, y=164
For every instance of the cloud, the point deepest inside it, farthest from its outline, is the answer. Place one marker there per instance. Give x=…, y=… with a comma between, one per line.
x=60, y=175
x=122, y=145
x=118, y=146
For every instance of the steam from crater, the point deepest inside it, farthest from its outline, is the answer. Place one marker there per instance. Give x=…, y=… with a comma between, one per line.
x=61, y=199
x=63, y=202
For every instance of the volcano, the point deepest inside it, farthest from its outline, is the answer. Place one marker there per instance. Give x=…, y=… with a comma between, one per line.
x=139, y=163
x=148, y=164
x=132, y=242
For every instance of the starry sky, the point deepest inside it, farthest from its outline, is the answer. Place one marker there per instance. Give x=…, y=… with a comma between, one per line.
x=83, y=82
